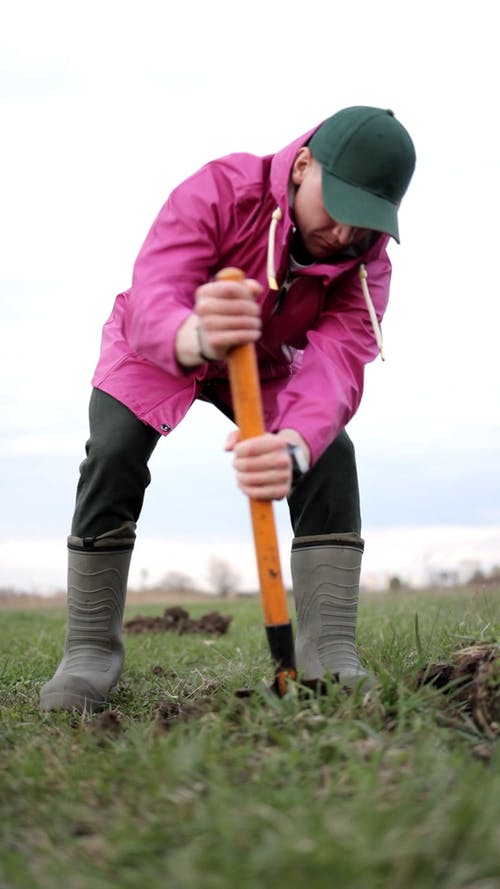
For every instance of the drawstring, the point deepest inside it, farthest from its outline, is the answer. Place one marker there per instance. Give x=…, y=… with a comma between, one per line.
x=363, y=276
x=271, y=271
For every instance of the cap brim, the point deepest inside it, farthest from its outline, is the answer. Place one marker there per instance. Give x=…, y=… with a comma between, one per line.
x=352, y=205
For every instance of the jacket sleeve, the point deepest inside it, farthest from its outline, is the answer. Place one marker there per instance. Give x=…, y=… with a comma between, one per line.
x=179, y=254
x=326, y=392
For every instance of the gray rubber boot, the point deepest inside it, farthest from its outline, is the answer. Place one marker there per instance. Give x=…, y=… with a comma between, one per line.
x=94, y=654
x=325, y=575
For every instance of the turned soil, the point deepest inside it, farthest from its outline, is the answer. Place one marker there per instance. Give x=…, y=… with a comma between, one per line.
x=472, y=680
x=177, y=620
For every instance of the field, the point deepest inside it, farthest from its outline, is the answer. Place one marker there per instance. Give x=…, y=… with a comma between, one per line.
x=182, y=783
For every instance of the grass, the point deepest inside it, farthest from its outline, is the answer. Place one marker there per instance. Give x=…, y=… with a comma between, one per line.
x=397, y=791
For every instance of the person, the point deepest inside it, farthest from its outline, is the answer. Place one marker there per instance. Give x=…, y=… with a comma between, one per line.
x=309, y=226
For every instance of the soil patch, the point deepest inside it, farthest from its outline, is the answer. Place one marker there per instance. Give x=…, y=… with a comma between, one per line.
x=472, y=678
x=177, y=620
x=170, y=713
x=108, y=724
x=187, y=707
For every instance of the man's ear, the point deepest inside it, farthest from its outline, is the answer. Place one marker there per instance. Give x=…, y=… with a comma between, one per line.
x=301, y=165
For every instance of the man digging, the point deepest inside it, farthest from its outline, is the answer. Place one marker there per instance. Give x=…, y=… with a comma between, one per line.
x=310, y=227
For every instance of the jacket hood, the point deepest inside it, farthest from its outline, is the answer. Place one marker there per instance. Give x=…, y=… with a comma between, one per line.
x=281, y=167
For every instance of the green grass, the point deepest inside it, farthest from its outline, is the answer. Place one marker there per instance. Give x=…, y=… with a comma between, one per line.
x=397, y=791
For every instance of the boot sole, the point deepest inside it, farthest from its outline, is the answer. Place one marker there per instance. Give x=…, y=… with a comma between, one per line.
x=84, y=700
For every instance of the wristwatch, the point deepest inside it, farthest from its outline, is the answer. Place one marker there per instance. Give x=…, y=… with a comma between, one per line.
x=299, y=462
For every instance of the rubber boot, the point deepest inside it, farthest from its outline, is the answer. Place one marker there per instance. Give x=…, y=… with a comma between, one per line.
x=94, y=653
x=325, y=575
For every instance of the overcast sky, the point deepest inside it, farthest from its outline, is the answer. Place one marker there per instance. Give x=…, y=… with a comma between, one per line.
x=105, y=107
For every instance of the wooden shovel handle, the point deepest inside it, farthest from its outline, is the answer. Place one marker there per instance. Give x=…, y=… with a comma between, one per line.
x=247, y=402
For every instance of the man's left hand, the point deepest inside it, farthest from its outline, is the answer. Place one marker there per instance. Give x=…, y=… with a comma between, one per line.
x=263, y=465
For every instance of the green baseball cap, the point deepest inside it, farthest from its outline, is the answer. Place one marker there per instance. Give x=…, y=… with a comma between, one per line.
x=368, y=159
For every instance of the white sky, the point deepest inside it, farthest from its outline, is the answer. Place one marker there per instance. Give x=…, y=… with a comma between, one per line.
x=105, y=107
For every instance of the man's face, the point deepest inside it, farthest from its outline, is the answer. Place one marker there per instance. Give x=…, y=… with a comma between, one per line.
x=322, y=236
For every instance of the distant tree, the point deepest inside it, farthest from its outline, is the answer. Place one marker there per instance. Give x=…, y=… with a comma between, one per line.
x=478, y=577
x=395, y=585
x=485, y=578
x=223, y=579
x=177, y=582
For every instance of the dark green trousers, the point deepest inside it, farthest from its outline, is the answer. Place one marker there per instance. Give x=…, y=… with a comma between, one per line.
x=115, y=474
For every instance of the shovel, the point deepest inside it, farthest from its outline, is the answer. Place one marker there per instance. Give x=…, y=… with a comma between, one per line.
x=247, y=403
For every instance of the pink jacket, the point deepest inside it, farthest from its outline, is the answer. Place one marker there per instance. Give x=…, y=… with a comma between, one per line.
x=315, y=341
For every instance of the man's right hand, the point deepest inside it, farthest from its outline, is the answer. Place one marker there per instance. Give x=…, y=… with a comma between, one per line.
x=226, y=314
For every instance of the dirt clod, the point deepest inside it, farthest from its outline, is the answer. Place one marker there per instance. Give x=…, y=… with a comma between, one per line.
x=484, y=752
x=472, y=678
x=108, y=723
x=170, y=713
x=177, y=620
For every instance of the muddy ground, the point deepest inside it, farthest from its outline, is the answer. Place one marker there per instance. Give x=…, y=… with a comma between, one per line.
x=177, y=620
